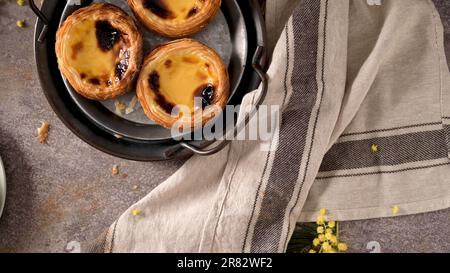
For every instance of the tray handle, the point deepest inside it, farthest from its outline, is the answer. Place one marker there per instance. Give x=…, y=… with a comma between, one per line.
x=41, y=17
x=256, y=64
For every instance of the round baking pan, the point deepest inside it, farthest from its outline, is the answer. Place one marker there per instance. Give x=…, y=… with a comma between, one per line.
x=97, y=124
x=217, y=35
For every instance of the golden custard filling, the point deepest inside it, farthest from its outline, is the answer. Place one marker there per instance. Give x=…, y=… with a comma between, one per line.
x=97, y=52
x=180, y=78
x=177, y=10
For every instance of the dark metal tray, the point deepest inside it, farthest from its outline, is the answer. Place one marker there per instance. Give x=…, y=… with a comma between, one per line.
x=95, y=123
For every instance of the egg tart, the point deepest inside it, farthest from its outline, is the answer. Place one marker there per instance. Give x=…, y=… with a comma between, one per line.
x=99, y=51
x=185, y=74
x=175, y=18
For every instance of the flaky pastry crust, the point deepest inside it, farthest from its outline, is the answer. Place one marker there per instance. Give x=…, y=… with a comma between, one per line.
x=130, y=35
x=175, y=28
x=147, y=96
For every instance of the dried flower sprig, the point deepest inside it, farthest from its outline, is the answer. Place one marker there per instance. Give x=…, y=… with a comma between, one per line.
x=327, y=240
x=319, y=237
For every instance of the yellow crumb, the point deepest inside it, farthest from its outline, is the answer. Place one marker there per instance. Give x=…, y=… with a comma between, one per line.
x=21, y=2
x=395, y=210
x=136, y=212
x=21, y=23
x=374, y=148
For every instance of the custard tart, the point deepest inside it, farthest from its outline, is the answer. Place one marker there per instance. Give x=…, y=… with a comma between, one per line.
x=99, y=51
x=185, y=74
x=175, y=18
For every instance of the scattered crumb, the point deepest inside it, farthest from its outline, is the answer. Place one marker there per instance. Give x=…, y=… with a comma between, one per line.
x=21, y=2
x=21, y=23
x=125, y=175
x=136, y=212
x=374, y=148
x=120, y=107
x=135, y=187
x=43, y=132
x=131, y=105
x=395, y=210
x=115, y=170
x=118, y=136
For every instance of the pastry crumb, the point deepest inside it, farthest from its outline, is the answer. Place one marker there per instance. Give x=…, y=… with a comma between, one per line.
x=120, y=107
x=135, y=187
x=130, y=109
x=118, y=136
x=115, y=170
x=43, y=132
x=125, y=175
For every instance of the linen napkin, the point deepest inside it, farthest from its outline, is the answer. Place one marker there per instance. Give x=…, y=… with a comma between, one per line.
x=363, y=89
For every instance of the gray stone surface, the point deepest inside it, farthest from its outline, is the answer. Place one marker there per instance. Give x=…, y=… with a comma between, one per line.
x=63, y=191
x=429, y=232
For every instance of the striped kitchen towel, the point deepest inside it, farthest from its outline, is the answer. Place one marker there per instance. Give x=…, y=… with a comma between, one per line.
x=364, y=90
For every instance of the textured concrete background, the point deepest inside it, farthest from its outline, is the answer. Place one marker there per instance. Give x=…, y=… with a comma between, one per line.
x=63, y=191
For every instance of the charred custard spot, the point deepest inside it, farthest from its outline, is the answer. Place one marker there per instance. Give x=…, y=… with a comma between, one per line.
x=206, y=92
x=168, y=63
x=122, y=65
x=94, y=81
x=107, y=35
x=192, y=12
x=153, y=81
x=83, y=76
x=159, y=8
